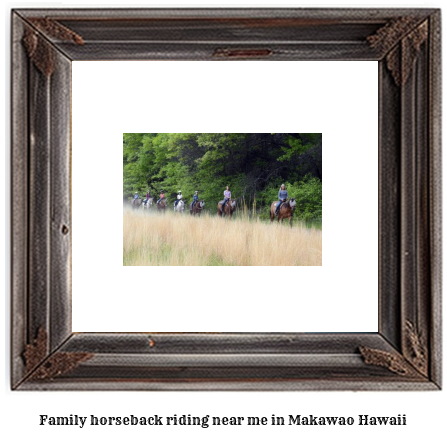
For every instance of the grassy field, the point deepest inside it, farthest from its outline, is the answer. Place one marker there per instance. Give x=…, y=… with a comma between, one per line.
x=152, y=239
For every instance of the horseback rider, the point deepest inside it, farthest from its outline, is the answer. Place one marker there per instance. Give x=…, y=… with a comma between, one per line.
x=195, y=198
x=162, y=196
x=135, y=197
x=282, y=196
x=148, y=196
x=179, y=198
x=227, y=197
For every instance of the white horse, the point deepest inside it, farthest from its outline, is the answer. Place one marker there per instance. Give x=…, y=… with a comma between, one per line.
x=147, y=205
x=180, y=207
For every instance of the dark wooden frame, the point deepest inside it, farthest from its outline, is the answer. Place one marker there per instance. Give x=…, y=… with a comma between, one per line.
x=405, y=354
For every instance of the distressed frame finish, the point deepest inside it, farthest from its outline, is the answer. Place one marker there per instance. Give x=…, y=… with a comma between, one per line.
x=405, y=354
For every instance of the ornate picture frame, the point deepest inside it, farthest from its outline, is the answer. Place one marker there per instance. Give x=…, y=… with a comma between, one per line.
x=405, y=353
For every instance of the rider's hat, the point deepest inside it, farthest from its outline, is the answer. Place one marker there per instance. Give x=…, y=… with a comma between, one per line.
x=180, y=191
x=196, y=191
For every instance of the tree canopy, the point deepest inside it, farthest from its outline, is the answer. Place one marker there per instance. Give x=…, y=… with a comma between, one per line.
x=253, y=165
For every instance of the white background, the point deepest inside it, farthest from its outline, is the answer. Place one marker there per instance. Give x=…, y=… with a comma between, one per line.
x=110, y=98
x=19, y=411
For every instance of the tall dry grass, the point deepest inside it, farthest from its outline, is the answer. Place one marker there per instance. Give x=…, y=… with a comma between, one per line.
x=152, y=239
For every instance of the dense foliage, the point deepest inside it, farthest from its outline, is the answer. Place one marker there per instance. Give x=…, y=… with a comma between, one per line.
x=253, y=165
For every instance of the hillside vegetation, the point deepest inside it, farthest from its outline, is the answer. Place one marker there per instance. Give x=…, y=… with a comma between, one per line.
x=253, y=165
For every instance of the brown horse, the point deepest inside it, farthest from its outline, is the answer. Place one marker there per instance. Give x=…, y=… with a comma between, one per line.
x=198, y=207
x=285, y=211
x=230, y=206
x=161, y=206
x=136, y=203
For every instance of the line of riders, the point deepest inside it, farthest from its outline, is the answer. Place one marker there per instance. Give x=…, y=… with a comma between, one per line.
x=162, y=202
x=284, y=205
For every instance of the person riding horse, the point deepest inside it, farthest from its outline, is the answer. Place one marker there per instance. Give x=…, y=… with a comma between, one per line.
x=282, y=196
x=148, y=196
x=195, y=198
x=227, y=197
x=162, y=196
x=179, y=204
x=179, y=198
x=284, y=207
x=135, y=197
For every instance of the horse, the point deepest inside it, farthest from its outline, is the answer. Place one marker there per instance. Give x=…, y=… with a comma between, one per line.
x=285, y=211
x=148, y=204
x=136, y=203
x=161, y=206
x=230, y=206
x=180, y=207
x=198, y=207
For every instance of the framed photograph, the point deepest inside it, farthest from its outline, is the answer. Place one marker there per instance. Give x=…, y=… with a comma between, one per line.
x=275, y=178
x=49, y=352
